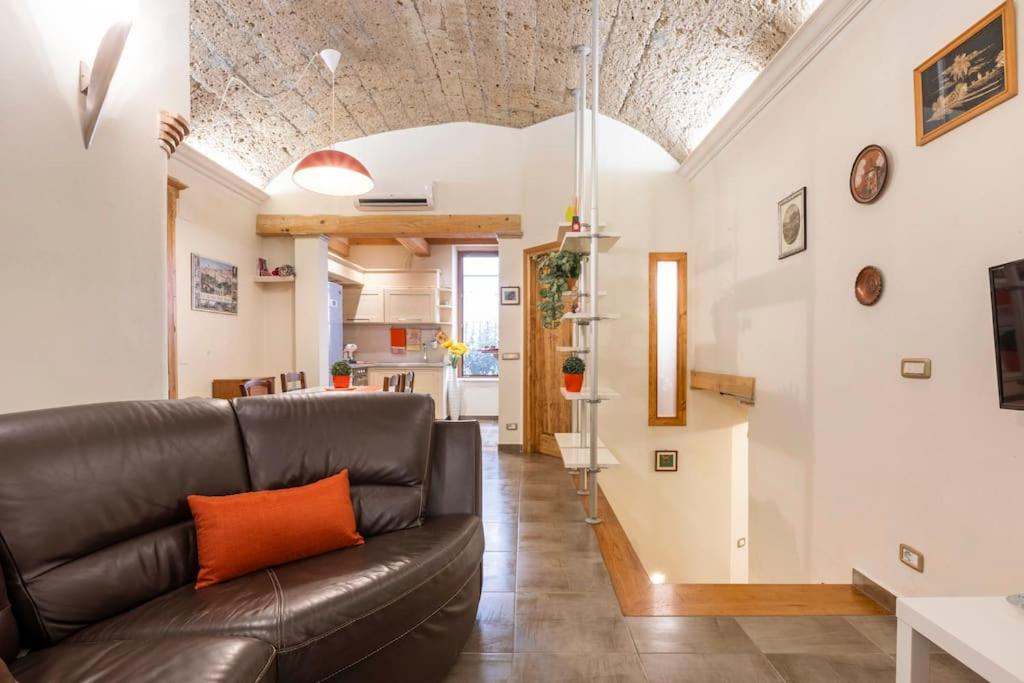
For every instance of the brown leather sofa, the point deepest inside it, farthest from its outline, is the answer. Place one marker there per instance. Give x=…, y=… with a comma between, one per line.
x=98, y=552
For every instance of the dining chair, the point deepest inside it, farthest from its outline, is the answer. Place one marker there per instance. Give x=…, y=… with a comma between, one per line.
x=409, y=379
x=292, y=381
x=258, y=387
x=393, y=383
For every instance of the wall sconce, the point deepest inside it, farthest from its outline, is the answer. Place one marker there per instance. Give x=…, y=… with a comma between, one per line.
x=94, y=82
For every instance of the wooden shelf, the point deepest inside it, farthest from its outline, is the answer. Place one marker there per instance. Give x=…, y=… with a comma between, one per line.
x=264, y=279
x=572, y=349
x=735, y=386
x=579, y=242
x=584, y=394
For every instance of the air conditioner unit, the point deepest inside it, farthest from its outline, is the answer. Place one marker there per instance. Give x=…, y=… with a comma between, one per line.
x=397, y=201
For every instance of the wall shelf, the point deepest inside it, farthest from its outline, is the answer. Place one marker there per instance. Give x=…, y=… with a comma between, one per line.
x=579, y=242
x=586, y=317
x=573, y=440
x=267, y=279
x=572, y=349
x=578, y=458
x=733, y=386
x=584, y=394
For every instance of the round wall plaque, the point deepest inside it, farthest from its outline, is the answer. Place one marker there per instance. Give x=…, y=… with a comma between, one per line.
x=869, y=173
x=868, y=287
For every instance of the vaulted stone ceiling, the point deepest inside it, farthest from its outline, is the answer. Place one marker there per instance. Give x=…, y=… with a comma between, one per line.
x=668, y=64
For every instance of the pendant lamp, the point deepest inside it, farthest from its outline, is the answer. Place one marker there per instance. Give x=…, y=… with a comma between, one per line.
x=329, y=171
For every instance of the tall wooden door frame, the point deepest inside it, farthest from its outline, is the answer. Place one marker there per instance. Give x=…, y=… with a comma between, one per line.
x=531, y=435
x=174, y=189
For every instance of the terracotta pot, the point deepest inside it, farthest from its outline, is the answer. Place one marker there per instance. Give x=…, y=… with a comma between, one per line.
x=573, y=382
x=341, y=381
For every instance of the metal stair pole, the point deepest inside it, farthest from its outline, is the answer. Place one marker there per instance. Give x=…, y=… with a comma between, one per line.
x=592, y=283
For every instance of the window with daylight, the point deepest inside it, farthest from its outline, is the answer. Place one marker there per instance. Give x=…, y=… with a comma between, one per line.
x=478, y=312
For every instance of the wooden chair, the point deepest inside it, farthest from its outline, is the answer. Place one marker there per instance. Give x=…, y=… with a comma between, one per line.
x=258, y=387
x=409, y=379
x=292, y=381
x=393, y=383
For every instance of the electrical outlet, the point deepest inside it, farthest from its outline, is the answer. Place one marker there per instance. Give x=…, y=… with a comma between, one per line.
x=912, y=558
x=512, y=426
x=741, y=543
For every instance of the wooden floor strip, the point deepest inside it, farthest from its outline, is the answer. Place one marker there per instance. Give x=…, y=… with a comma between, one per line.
x=638, y=597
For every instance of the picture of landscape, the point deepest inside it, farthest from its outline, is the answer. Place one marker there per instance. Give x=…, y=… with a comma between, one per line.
x=214, y=286
x=971, y=75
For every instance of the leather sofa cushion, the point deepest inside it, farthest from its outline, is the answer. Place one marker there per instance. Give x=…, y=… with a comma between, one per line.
x=211, y=660
x=382, y=439
x=245, y=532
x=9, y=641
x=324, y=613
x=92, y=505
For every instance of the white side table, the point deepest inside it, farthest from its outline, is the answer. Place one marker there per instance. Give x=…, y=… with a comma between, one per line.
x=985, y=634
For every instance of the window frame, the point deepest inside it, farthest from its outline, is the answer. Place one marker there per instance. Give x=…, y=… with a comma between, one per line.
x=459, y=317
x=679, y=420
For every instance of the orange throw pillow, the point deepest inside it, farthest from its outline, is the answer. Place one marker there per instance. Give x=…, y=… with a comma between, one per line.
x=244, y=532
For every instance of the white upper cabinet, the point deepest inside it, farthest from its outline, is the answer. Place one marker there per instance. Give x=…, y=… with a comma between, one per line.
x=409, y=305
x=365, y=307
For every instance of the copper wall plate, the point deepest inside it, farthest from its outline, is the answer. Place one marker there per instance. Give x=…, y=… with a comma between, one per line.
x=869, y=173
x=868, y=287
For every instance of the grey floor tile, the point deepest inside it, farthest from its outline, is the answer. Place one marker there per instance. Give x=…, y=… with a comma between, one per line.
x=501, y=537
x=554, y=571
x=565, y=537
x=562, y=668
x=708, y=668
x=563, y=636
x=697, y=635
x=879, y=630
x=806, y=635
x=499, y=571
x=945, y=669
x=551, y=510
x=848, y=668
x=546, y=492
x=481, y=668
x=494, y=629
x=577, y=607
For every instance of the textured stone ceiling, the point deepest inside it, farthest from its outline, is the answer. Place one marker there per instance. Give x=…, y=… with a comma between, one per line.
x=668, y=65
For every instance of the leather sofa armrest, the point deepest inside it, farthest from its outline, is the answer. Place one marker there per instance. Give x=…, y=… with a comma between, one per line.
x=9, y=641
x=456, y=469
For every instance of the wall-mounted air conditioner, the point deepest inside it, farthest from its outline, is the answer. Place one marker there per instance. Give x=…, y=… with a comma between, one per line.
x=423, y=200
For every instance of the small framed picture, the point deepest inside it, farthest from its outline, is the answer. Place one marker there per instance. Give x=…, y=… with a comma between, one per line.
x=793, y=224
x=666, y=461
x=509, y=296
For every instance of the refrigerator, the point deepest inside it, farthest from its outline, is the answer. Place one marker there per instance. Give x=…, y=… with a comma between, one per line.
x=334, y=318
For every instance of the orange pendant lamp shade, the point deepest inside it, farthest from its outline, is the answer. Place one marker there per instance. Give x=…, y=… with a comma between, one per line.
x=331, y=172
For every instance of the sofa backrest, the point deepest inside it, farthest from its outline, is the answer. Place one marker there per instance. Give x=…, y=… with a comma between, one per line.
x=93, y=512
x=9, y=643
x=382, y=439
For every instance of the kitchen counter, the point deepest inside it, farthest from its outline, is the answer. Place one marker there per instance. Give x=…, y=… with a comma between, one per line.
x=398, y=364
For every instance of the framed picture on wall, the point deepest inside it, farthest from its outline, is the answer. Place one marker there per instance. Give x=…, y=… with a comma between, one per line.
x=972, y=74
x=666, y=461
x=509, y=296
x=793, y=224
x=214, y=286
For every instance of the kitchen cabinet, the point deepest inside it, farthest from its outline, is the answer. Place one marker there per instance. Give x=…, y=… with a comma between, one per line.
x=429, y=380
x=410, y=305
x=368, y=307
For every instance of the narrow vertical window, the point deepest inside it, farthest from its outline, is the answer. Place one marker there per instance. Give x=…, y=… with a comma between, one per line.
x=667, y=339
x=478, y=312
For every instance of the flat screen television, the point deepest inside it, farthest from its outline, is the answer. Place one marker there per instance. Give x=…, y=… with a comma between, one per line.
x=1007, y=283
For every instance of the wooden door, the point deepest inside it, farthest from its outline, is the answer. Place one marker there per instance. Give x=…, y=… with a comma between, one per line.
x=545, y=412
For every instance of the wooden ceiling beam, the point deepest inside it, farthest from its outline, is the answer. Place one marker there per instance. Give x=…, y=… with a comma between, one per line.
x=338, y=245
x=417, y=246
x=450, y=226
x=444, y=241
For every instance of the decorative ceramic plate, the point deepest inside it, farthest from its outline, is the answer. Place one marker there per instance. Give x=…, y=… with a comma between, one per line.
x=868, y=287
x=869, y=173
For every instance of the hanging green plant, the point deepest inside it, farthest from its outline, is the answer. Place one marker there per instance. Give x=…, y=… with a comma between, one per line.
x=556, y=270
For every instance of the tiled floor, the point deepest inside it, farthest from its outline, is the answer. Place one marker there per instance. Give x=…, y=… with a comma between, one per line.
x=548, y=612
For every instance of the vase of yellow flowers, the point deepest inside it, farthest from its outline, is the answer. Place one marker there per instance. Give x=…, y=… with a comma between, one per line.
x=456, y=350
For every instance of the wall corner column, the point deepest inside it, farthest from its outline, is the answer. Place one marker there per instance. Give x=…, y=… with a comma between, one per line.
x=312, y=335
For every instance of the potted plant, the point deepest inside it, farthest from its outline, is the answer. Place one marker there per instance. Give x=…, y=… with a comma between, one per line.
x=341, y=374
x=572, y=373
x=556, y=272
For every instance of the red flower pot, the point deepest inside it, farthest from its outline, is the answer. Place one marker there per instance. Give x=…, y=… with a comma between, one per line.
x=573, y=382
x=341, y=381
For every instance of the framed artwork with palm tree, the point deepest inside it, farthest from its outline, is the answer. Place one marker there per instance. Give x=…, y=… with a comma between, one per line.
x=974, y=73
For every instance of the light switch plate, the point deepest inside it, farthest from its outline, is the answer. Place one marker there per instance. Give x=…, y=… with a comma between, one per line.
x=510, y=356
x=916, y=368
x=511, y=426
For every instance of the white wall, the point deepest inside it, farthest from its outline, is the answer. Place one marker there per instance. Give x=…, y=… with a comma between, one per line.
x=84, y=294
x=847, y=459
x=216, y=222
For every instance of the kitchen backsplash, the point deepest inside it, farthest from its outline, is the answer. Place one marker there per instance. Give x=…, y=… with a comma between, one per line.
x=374, y=342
